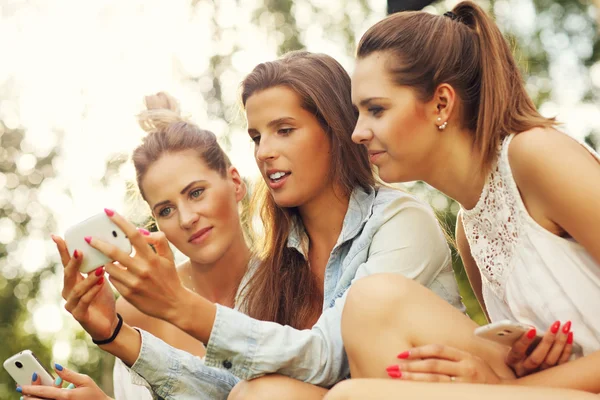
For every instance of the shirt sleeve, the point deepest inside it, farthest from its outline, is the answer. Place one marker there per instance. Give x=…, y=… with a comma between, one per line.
x=175, y=374
x=409, y=242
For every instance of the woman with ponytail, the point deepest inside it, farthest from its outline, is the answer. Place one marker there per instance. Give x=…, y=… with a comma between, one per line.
x=326, y=225
x=440, y=99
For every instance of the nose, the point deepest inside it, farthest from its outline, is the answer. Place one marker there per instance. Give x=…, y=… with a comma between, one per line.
x=361, y=134
x=187, y=217
x=265, y=150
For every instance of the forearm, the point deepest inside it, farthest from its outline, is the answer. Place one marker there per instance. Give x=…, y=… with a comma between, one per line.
x=194, y=315
x=581, y=374
x=126, y=346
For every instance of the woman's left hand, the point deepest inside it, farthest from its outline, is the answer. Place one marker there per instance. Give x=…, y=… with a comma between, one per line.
x=81, y=387
x=149, y=279
x=439, y=363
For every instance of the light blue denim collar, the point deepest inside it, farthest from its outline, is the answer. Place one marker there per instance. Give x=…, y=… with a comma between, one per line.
x=359, y=211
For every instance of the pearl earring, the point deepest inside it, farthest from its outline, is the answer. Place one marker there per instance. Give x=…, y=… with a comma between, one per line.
x=443, y=126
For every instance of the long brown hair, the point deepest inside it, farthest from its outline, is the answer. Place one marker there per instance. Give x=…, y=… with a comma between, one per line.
x=284, y=289
x=169, y=132
x=466, y=50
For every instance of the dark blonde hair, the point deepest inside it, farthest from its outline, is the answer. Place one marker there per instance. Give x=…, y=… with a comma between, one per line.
x=284, y=289
x=169, y=132
x=466, y=50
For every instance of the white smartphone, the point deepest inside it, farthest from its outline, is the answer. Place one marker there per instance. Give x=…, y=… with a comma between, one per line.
x=508, y=332
x=21, y=367
x=100, y=227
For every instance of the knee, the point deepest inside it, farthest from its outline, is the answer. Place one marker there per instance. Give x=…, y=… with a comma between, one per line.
x=342, y=391
x=240, y=391
x=256, y=389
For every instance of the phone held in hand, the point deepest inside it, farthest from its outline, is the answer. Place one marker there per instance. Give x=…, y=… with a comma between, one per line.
x=508, y=332
x=100, y=227
x=23, y=365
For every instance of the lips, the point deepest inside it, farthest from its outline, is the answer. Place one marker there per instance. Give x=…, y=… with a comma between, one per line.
x=375, y=154
x=199, y=233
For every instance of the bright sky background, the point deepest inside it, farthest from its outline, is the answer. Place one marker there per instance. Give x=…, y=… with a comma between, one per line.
x=75, y=73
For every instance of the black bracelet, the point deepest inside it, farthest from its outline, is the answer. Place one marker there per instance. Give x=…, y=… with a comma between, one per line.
x=114, y=335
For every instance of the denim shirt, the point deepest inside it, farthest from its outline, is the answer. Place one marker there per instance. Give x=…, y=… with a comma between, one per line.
x=384, y=231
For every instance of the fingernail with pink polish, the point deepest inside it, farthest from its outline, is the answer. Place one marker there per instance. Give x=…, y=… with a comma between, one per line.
x=404, y=354
x=88, y=239
x=99, y=271
x=395, y=374
x=100, y=281
x=75, y=255
x=109, y=212
x=143, y=231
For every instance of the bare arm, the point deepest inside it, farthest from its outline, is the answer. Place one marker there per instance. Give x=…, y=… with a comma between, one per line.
x=469, y=263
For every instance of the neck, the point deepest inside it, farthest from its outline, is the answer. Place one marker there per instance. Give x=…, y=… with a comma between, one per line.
x=323, y=218
x=457, y=171
x=219, y=281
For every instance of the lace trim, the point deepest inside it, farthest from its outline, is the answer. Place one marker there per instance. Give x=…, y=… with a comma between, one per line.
x=493, y=226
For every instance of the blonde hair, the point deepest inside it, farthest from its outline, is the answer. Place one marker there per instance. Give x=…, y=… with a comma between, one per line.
x=169, y=132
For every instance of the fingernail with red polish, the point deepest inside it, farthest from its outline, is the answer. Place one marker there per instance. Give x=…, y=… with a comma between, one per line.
x=109, y=212
x=394, y=374
x=555, y=327
x=88, y=239
x=75, y=254
x=570, y=338
x=143, y=232
x=567, y=327
x=531, y=333
x=393, y=368
x=99, y=271
x=100, y=281
x=404, y=354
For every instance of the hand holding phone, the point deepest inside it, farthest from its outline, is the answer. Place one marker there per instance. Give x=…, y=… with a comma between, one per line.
x=101, y=227
x=23, y=365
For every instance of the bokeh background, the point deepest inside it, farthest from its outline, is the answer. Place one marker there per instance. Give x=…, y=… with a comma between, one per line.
x=72, y=77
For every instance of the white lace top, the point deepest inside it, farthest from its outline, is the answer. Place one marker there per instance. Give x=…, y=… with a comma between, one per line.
x=528, y=274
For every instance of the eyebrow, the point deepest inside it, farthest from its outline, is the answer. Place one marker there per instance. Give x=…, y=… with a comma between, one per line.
x=185, y=189
x=365, y=102
x=275, y=122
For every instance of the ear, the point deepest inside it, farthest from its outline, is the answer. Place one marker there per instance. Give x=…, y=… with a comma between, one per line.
x=443, y=104
x=238, y=182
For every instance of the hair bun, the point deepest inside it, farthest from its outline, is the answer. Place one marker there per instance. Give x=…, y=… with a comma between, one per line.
x=161, y=111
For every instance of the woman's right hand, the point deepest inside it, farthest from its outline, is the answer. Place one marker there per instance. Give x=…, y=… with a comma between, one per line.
x=82, y=387
x=554, y=349
x=90, y=299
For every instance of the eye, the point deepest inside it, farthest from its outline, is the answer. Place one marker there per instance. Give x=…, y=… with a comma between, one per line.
x=375, y=111
x=285, y=131
x=194, y=194
x=165, y=212
x=255, y=139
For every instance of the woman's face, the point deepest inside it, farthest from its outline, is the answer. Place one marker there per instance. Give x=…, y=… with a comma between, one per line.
x=397, y=128
x=291, y=148
x=194, y=206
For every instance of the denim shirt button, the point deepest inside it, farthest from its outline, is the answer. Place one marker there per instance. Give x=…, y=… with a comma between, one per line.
x=227, y=364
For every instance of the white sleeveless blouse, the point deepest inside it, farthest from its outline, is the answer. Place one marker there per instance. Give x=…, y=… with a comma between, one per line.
x=528, y=274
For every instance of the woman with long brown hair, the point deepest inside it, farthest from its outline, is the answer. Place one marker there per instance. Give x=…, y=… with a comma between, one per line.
x=441, y=99
x=327, y=224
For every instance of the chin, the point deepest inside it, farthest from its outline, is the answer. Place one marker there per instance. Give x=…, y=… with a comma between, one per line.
x=394, y=174
x=286, y=200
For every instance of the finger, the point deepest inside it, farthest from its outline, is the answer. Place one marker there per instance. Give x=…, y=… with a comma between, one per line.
x=420, y=377
x=518, y=351
x=538, y=355
x=123, y=288
x=44, y=392
x=72, y=276
x=80, y=309
x=72, y=376
x=82, y=288
x=62, y=249
x=432, y=366
x=557, y=348
x=159, y=241
x=434, y=351
x=36, y=379
x=566, y=354
x=126, y=278
x=113, y=252
x=135, y=237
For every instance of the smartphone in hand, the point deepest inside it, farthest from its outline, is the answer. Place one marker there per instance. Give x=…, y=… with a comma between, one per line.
x=23, y=365
x=100, y=227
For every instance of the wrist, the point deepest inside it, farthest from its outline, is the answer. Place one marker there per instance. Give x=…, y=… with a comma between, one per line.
x=180, y=314
x=194, y=315
x=126, y=346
